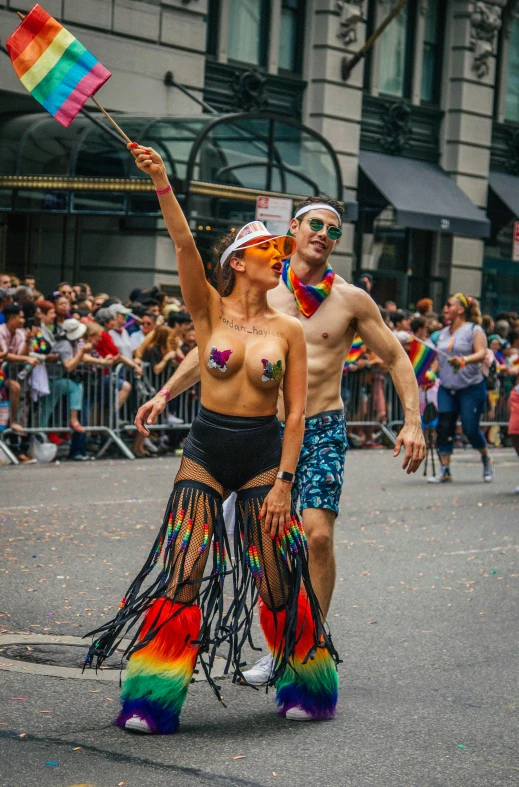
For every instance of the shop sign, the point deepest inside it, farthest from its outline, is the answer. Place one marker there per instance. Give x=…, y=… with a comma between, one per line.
x=515, y=248
x=275, y=213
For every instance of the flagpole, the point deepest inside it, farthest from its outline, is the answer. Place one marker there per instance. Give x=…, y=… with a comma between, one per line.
x=440, y=352
x=96, y=102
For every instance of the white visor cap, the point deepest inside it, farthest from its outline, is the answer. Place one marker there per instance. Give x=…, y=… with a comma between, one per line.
x=254, y=234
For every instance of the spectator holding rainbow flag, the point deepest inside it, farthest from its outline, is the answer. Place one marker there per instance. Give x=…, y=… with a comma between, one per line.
x=461, y=349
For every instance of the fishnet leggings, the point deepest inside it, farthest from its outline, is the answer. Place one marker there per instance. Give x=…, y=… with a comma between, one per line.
x=271, y=581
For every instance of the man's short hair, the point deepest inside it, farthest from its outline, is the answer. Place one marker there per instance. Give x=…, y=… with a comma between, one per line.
x=178, y=318
x=23, y=293
x=150, y=302
x=320, y=201
x=12, y=310
x=398, y=317
x=417, y=323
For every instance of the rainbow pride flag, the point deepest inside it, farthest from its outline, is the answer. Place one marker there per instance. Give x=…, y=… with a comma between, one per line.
x=421, y=356
x=356, y=350
x=54, y=66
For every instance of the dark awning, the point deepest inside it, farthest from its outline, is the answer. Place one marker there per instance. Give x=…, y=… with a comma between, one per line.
x=506, y=187
x=423, y=196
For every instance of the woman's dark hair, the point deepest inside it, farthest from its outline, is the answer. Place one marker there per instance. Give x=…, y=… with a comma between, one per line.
x=225, y=277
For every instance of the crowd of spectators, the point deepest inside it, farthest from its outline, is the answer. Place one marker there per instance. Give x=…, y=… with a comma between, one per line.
x=366, y=378
x=82, y=331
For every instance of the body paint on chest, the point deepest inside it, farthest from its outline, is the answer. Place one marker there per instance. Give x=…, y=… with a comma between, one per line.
x=271, y=371
x=218, y=359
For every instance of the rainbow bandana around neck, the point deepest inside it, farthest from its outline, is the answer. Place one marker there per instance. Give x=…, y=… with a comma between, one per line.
x=307, y=296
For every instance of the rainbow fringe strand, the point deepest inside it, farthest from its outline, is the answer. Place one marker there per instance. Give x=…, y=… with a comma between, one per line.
x=314, y=685
x=159, y=674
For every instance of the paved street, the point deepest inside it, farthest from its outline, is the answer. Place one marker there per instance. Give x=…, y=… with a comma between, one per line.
x=425, y=617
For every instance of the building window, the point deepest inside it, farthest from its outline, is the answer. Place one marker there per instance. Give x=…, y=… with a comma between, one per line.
x=395, y=60
x=512, y=76
x=431, y=56
x=248, y=20
x=291, y=35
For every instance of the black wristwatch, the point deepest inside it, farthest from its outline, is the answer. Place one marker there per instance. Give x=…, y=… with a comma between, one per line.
x=284, y=475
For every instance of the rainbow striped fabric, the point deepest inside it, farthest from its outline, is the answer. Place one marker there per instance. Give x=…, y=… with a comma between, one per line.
x=356, y=350
x=54, y=66
x=308, y=297
x=421, y=357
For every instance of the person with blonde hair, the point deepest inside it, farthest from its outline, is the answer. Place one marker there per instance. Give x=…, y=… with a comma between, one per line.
x=462, y=346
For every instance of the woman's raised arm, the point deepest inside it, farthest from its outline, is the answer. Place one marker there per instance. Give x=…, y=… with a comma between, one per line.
x=196, y=290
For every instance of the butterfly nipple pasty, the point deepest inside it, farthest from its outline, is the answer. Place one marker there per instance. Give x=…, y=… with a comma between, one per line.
x=218, y=359
x=271, y=371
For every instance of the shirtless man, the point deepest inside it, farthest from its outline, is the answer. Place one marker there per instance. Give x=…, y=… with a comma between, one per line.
x=331, y=312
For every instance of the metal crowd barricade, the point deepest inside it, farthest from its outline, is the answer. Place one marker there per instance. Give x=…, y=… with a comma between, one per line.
x=495, y=415
x=367, y=400
x=369, y=396
x=50, y=412
x=178, y=414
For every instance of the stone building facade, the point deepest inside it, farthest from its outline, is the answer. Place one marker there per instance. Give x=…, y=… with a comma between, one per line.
x=425, y=128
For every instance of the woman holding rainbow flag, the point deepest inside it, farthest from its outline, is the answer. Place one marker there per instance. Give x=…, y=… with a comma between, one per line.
x=246, y=350
x=461, y=347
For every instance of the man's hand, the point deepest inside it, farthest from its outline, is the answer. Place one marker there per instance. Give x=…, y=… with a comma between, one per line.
x=33, y=361
x=148, y=412
x=412, y=439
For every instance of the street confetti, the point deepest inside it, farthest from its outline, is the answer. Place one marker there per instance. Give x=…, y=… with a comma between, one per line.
x=53, y=764
x=21, y=699
x=461, y=746
x=78, y=748
x=238, y=756
x=23, y=735
x=45, y=711
x=274, y=773
x=121, y=784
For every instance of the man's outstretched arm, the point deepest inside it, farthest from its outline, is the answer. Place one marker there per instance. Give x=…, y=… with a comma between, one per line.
x=377, y=336
x=187, y=375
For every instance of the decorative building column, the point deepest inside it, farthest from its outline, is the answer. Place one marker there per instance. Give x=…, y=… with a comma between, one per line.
x=468, y=101
x=333, y=106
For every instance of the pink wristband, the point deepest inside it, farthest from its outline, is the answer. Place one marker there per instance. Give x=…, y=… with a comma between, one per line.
x=166, y=393
x=161, y=192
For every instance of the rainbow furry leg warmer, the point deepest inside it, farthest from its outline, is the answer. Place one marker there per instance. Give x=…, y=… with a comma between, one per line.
x=312, y=686
x=159, y=674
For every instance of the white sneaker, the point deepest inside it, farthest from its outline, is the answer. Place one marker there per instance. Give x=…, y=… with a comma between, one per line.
x=442, y=478
x=150, y=446
x=136, y=724
x=261, y=672
x=174, y=419
x=298, y=714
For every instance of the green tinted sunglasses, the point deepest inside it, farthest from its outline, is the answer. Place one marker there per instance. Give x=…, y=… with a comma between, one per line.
x=333, y=232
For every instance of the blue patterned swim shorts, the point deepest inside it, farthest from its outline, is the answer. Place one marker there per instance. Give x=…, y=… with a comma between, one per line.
x=320, y=470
